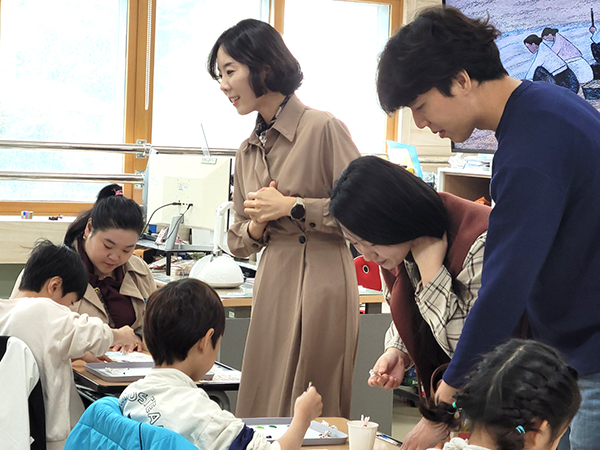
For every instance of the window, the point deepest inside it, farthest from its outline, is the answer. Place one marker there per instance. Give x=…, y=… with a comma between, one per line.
x=186, y=98
x=338, y=54
x=62, y=79
x=113, y=71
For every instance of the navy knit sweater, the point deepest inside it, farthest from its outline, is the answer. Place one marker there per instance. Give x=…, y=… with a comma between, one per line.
x=542, y=252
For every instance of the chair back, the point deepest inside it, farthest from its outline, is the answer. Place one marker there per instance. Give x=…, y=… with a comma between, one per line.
x=22, y=416
x=367, y=273
x=102, y=425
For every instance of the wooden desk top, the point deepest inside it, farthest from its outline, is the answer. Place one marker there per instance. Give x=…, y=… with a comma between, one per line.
x=242, y=296
x=342, y=425
x=97, y=384
x=90, y=380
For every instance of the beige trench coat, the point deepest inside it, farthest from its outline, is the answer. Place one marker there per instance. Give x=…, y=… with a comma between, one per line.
x=305, y=306
x=138, y=283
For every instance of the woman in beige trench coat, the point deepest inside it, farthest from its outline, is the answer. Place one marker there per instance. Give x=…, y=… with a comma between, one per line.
x=304, y=322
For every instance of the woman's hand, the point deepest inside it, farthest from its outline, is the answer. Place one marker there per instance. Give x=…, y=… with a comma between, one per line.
x=424, y=435
x=136, y=347
x=389, y=369
x=429, y=254
x=268, y=204
x=256, y=229
x=125, y=340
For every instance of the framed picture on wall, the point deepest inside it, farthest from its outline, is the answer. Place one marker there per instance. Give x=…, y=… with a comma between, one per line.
x=546, y=40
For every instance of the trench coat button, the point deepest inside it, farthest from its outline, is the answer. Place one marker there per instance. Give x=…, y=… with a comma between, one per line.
x=255, y=245
x=312, y=224
x=302, y=239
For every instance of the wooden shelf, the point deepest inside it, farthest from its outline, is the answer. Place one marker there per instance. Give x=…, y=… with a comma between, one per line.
x=466, y=183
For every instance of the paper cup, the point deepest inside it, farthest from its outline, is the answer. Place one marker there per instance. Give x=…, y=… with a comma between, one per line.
x=361, y=437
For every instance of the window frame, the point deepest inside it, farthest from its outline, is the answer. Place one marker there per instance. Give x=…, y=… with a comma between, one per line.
x=141, y=28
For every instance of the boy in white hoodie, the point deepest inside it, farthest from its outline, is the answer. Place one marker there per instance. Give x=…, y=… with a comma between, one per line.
x=183, y=326
x=53, y=278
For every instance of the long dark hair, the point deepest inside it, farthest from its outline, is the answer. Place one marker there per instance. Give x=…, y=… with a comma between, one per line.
x=514, y=387
x=111, y=210
x=260, y=47
x=384, y=204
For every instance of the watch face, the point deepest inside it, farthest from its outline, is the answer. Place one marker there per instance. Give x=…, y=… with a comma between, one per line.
x=297, y=211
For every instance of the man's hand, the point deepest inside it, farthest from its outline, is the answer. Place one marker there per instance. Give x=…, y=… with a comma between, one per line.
x=445, y=393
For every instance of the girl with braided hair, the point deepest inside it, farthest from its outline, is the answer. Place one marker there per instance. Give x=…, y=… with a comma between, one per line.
x=522, y=395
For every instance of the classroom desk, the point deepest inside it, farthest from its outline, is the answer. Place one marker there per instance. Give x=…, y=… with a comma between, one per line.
x=215, y=390
x=341, y=424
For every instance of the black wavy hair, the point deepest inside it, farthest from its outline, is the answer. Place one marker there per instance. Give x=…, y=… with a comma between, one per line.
x=519, y=384
x=111, y=210
x=532, y=39
x=429, y=53
x=260, y=47
x=178, y=315
x=384, y=204
x=47, y=261
x=547, y=31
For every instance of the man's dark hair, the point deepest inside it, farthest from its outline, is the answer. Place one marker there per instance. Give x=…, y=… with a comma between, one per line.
x=178, y=315
x=47, y=261
x=384, y=204
x=260, y=47
x=429, y=53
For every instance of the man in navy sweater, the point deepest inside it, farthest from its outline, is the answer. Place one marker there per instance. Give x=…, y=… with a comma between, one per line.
x=542, y=255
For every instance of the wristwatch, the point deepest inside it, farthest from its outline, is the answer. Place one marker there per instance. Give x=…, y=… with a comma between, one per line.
x=298, y=210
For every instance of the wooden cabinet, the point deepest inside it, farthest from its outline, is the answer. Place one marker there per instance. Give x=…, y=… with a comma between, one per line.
x=466, y=183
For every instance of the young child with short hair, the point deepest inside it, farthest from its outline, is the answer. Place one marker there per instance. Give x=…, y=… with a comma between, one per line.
x=521, y=395
x=183, y=326
x=53, y=278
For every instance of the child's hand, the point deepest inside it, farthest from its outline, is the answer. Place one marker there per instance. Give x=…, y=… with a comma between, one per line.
x=309, y=405
x=89, y=358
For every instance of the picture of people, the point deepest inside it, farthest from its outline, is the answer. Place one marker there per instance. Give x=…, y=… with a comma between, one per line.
x=569, y=53
x=541, y=40
x=548, y=66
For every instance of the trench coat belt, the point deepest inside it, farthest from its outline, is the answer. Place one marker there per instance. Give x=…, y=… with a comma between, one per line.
x=302, y=238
